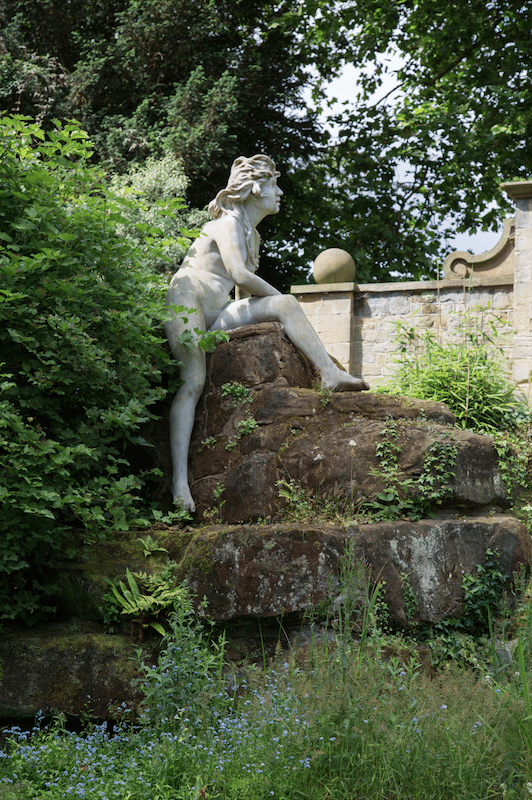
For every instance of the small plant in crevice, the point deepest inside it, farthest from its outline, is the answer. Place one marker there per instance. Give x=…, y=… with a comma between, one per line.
x=247, y=425
x=145, y=598
x=213, y=515
x=207, y=443
x=302, y=504
x=298, y=502
x=244, y=427
x=239, y=392
x=151, y=546
x=179, y=515
x=325, y=396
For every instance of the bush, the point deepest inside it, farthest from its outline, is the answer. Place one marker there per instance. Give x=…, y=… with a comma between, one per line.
x=469, y=375
x=156, y=189
x=80, y=343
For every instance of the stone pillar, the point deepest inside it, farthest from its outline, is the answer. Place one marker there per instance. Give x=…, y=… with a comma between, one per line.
x=329, y=308
x=521, y=193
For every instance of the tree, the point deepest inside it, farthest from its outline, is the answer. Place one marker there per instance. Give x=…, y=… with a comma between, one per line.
x=205, y=82
x=208, y=81
x=426, y=161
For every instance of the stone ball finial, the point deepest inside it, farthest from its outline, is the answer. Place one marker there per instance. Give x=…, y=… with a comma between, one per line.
x=334, y=266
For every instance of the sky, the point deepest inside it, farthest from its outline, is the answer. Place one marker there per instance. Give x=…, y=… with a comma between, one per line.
x=344, y=88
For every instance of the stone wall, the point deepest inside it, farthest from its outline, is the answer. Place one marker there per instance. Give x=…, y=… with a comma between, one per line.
x=358, y=323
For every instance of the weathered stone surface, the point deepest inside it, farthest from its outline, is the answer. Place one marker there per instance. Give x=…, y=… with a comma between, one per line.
x=269, y=570
x=263, y=570
x=58, y=667
x=257, y=354
x=435, y=554
x=326, y=442
x=248, y=572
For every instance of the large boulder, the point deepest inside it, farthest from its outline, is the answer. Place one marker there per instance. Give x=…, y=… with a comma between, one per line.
x=262, y=571
x=356, y=449
x=348, y=445
x=73, y=667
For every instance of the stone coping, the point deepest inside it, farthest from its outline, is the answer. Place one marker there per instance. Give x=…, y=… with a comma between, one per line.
x=517, y=189
x=402, y=286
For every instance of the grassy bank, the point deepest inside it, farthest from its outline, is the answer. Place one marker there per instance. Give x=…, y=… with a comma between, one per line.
x=354, y=718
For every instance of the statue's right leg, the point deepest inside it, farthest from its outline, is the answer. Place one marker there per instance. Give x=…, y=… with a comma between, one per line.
x=183, y=409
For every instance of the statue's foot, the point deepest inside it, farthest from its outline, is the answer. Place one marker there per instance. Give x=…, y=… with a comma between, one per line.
x=350, y=384
x=339, y=381
x=182, y=497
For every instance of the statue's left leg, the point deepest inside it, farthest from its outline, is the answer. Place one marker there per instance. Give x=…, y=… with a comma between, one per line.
x=285, y=309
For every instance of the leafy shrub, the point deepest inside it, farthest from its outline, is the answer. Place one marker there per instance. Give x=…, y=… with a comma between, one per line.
x=455, y=639
x=469, y=375
x=80, y=345
x=153, y=206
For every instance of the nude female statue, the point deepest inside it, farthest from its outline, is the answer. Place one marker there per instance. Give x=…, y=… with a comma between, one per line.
x=224, y=256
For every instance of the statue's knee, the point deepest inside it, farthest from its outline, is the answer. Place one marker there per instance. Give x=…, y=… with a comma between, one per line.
x=191, y=389
x=287, y=304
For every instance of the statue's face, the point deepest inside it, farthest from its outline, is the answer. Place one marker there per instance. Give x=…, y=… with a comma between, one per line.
x=270, y=196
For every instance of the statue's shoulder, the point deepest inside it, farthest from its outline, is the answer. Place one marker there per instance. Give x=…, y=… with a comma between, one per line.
x=227, y=227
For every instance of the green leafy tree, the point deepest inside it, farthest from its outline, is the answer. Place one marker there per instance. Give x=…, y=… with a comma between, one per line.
x=153, y=207
x=425, y=161
x=205, y=82
x=80, y=343
x=215, y=79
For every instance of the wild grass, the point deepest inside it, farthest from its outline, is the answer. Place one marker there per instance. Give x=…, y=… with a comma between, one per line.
x=355, y=717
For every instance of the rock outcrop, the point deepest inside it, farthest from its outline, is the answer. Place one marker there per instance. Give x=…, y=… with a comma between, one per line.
x=331, y=445
x=71, y=667
x=262, y=571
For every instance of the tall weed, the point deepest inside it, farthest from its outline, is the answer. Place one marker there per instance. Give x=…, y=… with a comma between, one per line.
x=469, y=373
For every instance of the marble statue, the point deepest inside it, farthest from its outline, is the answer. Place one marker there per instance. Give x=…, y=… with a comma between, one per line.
x=225, y=257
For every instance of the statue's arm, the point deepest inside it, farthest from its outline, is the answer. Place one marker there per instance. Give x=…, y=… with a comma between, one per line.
x=232, y=247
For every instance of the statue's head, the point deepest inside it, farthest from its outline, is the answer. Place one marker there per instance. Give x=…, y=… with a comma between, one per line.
x=246, y=178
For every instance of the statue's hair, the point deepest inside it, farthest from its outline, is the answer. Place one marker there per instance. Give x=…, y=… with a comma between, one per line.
x=246, y=178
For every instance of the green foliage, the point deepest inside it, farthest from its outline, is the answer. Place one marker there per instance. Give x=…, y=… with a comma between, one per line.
x=439, y=116
x=247, y=425
x=153, y=210
x=207, y=443
x=353, y=715
x=82, y=359
x=239, y=392
x=151, y=546
x=469, y=374
x=300, y=504
x=413, y=498
x=455, y=638
x=183, y=681
x=146, y=597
